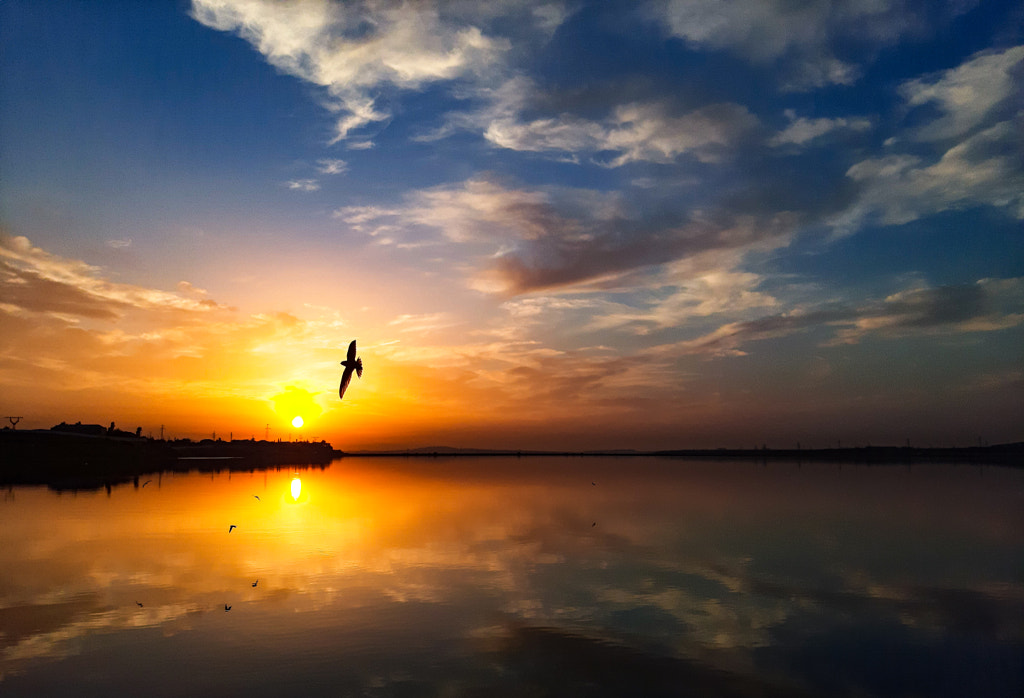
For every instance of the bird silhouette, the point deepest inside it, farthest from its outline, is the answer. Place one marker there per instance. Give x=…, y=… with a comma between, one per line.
x=256, y=582
x=257, y=497
x=226, y=608
x=146, y=482
x=139, y=604
x=231, y=528
x=351, y=363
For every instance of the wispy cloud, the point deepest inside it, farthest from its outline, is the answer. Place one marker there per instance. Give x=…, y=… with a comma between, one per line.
x=969, y=95
x=303, y=184
x=526, y=240
x=328, y=166
x=36, y=281
x=988, y=305
x=802, y=130
x=800, y=39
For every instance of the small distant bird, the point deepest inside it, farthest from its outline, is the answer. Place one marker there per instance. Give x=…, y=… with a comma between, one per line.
x=146, y=482
x=257, y=497
x=139, y=604
x=593, y=524
x=255, y=583
x=226, y=608
x=594, y=484
x=351, y=363
x=231, y=528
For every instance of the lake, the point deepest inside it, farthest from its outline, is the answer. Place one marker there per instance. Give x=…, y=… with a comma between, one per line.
x=534, y=576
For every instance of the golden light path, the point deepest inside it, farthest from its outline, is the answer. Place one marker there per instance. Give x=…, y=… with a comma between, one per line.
x=296, y=488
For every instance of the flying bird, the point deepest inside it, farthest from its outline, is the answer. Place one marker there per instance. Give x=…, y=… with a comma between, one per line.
x=256, y=582
x=139, y=603
x=231, y=528
x=351, y=363
x=226, y=608
x=257, y=497
x=146, y=482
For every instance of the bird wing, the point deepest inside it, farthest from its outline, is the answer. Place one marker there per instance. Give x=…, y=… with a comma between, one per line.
x=346, y=378
x=352, y=350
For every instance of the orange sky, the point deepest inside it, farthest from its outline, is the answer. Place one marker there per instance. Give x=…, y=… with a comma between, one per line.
x=571, y=226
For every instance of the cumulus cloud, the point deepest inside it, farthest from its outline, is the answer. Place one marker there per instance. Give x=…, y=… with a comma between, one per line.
x=355, y=49
x=988, y=305
x=966, y=96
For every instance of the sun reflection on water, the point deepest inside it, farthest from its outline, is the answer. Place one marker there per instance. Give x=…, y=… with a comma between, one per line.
x=296, y=488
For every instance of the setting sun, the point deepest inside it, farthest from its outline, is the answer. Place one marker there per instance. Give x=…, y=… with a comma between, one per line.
x=297, y=422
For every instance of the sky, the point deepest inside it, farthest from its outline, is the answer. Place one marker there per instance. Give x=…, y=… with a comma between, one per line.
x=572, y=225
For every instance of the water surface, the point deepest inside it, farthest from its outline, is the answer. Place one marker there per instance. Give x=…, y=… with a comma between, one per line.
x=531, y=576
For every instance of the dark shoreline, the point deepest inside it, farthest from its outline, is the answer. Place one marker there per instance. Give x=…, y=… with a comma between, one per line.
x=999, y=454
x=74, y=461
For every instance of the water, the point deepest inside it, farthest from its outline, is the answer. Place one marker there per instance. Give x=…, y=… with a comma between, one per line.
x=511, y=577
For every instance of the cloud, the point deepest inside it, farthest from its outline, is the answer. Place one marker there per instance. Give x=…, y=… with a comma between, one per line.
x=802, y=130
x=648, y=131
x=966, y=96
x=330, y=166
x=988, y=305
x=800, y=38
x=527, y=240
x=120, y=244
x=35, y=281
x=974, y=131
x=985, y=169
x=355, y=49
x=303, y=184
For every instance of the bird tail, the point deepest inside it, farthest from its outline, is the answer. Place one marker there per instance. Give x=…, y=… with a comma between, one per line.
x=359, y=367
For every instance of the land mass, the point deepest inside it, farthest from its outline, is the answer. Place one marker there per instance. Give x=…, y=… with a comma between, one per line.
x=90, y=456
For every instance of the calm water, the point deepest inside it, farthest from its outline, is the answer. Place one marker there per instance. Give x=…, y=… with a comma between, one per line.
x=515, y=577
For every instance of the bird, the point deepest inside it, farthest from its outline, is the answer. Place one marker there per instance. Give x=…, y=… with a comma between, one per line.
x=257, y=498
x=256, y=582
x=351, y=363
x=139, y=604
x=226, y=608
x=231, y=528
x=593, y=524
x=146, y=482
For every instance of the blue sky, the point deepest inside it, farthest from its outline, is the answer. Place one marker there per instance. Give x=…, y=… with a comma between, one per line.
x=642, y=224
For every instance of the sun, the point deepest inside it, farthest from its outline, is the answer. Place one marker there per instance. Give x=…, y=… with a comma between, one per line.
x=297, y=422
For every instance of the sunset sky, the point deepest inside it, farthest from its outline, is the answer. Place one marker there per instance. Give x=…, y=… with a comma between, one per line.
x=643, y=224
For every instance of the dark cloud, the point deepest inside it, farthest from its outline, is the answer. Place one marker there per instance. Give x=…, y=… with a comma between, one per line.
x=30, y=291
x=968, y=307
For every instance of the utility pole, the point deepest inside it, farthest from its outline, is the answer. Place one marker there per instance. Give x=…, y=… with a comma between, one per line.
x=266, y=433
x=161, y=432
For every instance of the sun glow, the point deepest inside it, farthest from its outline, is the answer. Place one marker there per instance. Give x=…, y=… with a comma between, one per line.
x=297, y=422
